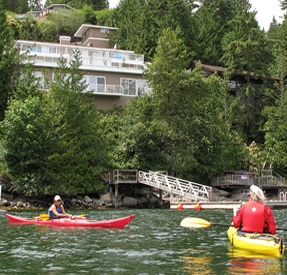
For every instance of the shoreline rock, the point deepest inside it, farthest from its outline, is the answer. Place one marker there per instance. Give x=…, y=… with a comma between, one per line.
x=106, y=200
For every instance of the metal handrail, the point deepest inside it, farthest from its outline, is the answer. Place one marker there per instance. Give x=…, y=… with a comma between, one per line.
x=186, y=190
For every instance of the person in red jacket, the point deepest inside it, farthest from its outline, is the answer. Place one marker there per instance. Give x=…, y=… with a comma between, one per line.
x=254, y=216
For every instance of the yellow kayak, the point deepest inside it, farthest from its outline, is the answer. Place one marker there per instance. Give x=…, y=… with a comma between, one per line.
x=261, y=243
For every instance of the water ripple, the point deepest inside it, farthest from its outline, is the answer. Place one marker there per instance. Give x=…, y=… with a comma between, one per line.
x=153, y=243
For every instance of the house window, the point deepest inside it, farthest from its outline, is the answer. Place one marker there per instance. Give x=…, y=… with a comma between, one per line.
x=40, y=79
x=143, y=87
x=52, y=50
x=128, y=86
x=96, y=84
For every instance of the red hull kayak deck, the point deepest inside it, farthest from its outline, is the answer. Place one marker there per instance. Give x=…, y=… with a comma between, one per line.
x=63, y=222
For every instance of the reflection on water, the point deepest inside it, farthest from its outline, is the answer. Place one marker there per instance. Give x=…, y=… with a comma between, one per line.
x=196, y=263
x=246, y=262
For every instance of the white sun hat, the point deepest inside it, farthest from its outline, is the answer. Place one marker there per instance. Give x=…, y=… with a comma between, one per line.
x=256, y=193
x=57, y=198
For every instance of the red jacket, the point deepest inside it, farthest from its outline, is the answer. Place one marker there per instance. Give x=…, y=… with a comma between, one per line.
x=256, y=217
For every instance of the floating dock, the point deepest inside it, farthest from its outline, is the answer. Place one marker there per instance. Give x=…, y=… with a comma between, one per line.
x=213, y=205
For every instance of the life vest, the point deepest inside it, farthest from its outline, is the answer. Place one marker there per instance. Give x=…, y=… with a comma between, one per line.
x=253, y=217
x=58, y=209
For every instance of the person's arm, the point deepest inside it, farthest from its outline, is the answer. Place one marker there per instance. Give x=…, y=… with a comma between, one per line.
x=54, y=210
x=269, y=219
x=237, y=220
x=63, y=211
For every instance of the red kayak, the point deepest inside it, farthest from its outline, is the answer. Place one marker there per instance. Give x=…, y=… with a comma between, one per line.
x=116, y=223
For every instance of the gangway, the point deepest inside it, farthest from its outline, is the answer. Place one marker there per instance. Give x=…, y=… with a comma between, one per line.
x=178, y=189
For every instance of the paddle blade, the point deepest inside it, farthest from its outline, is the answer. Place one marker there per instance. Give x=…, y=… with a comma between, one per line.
x=194, y=223
x=44, y=217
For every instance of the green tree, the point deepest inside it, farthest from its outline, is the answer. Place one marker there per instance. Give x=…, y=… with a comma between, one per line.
x=105, y=17
x=17, y=6
x=283, y=4
x=27, y=84
x=3, y=164
x=138, y=141
x=142, y=22
x=209, y=25
x=193, y=114
x=8, y=61
x=29, y=30
x=90, y=15
x=78, y=151
x=35, y=5
x=247, y=55
x=64, y=22
x=26, y=145
x=276, y=126
x=276, y=35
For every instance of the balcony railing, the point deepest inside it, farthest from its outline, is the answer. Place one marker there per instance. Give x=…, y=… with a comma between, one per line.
x=49, y=54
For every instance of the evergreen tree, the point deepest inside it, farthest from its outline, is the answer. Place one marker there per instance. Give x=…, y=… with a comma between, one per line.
x=64, y=22
x=29, y=30
x=105, y=17
x=247, y=55
x=8, y=61
x=35, y=5
x=209, y=25
x=17, y=6
x=283, y=4
x=78, y=153
x=276, y=125
x=141, y=23
x=26, y=145
x=90, y=15
x=192, y=114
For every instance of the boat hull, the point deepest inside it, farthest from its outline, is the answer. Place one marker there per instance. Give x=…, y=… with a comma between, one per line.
x=67, y=222
x=259, y=243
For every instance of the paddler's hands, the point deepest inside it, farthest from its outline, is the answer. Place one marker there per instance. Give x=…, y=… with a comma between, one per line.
x=235, y=211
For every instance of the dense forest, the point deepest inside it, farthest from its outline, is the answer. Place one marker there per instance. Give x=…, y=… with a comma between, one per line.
x=191, y=125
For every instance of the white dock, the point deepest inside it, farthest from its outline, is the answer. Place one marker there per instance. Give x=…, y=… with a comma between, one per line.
x=222, y=205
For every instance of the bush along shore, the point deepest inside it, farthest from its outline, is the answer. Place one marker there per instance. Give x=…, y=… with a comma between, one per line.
x=135, y=198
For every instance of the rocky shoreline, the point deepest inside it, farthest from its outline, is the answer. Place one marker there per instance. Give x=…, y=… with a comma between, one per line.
x=140, y=198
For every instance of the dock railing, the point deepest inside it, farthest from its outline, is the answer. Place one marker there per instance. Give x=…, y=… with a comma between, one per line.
x=245, y=180
x=183, y=190
x=270, y=181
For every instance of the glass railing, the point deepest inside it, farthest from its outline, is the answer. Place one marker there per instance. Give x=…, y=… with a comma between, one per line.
x=117, y=90
x=47, y=53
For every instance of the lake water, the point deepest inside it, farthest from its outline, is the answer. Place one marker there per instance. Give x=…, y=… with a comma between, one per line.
x=153, y=243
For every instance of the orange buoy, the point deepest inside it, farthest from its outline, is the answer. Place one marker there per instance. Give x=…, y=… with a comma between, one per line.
x=197, y=206
x=179, y=206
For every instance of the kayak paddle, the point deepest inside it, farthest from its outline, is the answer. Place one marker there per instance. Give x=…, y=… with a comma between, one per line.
x=47, y=217
x=201, y=223
x=198, y=223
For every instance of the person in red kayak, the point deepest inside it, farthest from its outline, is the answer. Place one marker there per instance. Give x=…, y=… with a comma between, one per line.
x=57, y=209
x=254, y=216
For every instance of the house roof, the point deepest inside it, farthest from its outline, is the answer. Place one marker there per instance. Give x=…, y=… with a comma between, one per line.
x=59, y=6
x=212, y=68
x=85, y=27
x=52, y=6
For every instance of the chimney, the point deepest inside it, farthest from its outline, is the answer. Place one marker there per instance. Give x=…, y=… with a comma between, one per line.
x=65, y=39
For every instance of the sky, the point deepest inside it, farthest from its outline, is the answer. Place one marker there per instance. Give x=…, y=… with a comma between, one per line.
x=266, y=9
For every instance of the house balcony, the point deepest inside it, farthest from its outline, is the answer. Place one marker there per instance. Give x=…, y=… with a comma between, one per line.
x=43, y=54
x=117, y=90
